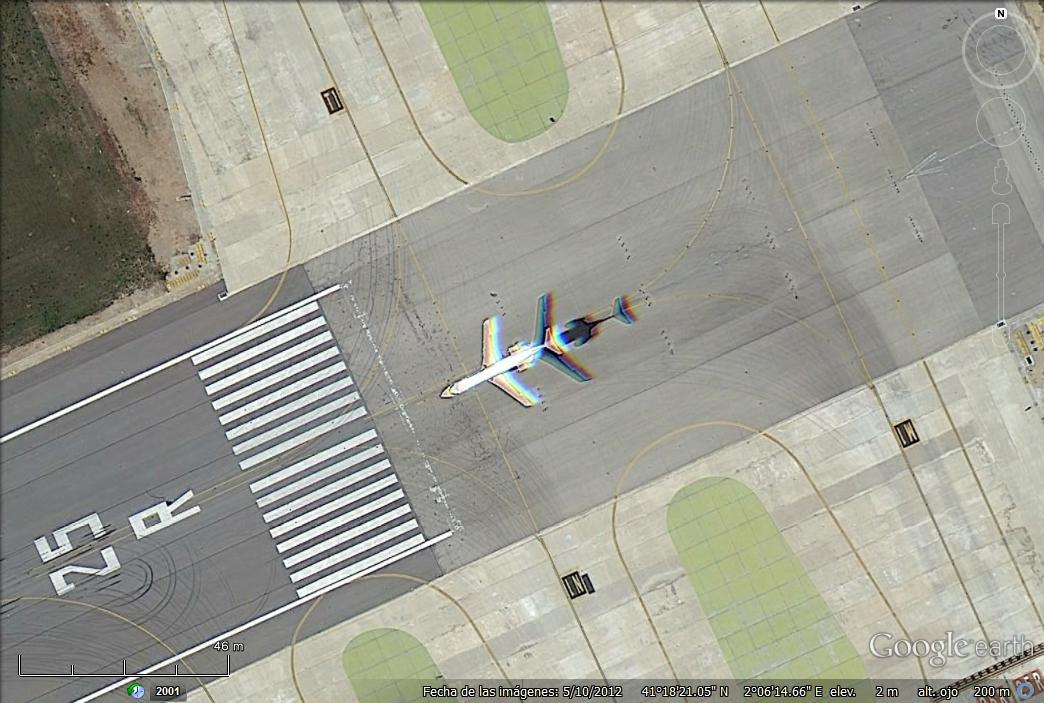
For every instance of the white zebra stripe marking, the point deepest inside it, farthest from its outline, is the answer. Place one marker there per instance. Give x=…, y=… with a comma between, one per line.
x=291, y=425
x=309, y=462
x=365, y=545
x=347, y=536
x=327, y=490
x=298, y=385
x=397, y=551
x=341, y=520
x=262, y=348
x=268, y=363
x=327, y=508
x=288, y=408
x=318, y=476
x=300, y=439
x=278, y=377
x=260, y=330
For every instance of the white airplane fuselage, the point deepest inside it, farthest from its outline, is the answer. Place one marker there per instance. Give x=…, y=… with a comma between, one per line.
x=550, y=344
x=523, y=358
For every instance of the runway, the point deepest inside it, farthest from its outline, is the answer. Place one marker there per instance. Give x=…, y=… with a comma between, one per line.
x=188, y=532
x=787, y=234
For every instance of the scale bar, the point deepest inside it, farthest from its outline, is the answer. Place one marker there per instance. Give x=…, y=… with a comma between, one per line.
x=141, y=675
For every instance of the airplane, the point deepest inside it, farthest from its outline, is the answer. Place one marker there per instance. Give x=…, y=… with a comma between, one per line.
x=550, y=343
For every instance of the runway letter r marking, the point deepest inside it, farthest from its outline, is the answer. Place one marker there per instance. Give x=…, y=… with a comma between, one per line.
x=162, y=516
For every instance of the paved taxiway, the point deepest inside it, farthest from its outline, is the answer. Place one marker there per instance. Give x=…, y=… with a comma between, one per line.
x=760, y=317
x=743, y=326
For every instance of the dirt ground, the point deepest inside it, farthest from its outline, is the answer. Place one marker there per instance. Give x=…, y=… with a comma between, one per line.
x=73, y=224
x=98, y=45
x=1034, y=12
x=102, y=58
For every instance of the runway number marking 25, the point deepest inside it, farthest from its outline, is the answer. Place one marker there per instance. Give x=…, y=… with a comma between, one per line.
x=146, y=522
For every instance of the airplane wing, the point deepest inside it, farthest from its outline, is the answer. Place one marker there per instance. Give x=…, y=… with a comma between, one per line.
x=567, y=365
x=544, y=317
x=491, y=350
x=509, y=383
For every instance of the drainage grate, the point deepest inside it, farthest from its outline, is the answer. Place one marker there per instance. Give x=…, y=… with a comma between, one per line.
x=577, y=584
x=906, y=433
x=333, y=100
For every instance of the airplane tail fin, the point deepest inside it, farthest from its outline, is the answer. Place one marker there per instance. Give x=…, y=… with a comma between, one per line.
x=544, y=317
x=623, y=310
x=552, y=342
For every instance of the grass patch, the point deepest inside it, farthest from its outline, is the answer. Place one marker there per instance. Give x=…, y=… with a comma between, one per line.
x=386, y=665
x=505, y=60
x=765, y=611
x=69, y=242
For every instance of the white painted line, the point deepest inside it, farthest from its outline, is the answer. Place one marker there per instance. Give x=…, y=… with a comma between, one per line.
x=278, y=377
x=438, y=491
x=368, y=565
x=239, y=340
x=288, y=408
x=354, y=550
x=341, y=520
x=348, y=535
x=262, y=348
x=301, y=600
x=309, y=462
x=300, y=439
x=327, y=490
x=155, y=370
x=294, y=387
x=318, y=476
x=291, y=425
x=268, y=363
x=332, y=506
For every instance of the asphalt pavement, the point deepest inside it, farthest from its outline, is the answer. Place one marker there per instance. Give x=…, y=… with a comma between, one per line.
x=862, y=240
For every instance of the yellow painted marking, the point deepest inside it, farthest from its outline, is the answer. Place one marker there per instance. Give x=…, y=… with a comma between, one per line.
x=1023, y=347
x=1036, y=336
x=182, y=279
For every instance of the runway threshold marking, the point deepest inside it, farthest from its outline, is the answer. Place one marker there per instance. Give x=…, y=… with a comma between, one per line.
x=311, y=461
x=264, y=401
x=291, y=407
x=261, y=348
x=304, y=437
x=341, y=520
x=299, y=421
x=267, y=326
x=274, y=379
x=322, y=475
x=369, y=569
x=269, y=362
x=322, y=492
x=162, y=367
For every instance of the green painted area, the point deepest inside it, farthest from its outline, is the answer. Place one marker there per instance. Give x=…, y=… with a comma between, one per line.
x=766, y=613
x=505, y=60
x=389, y=666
